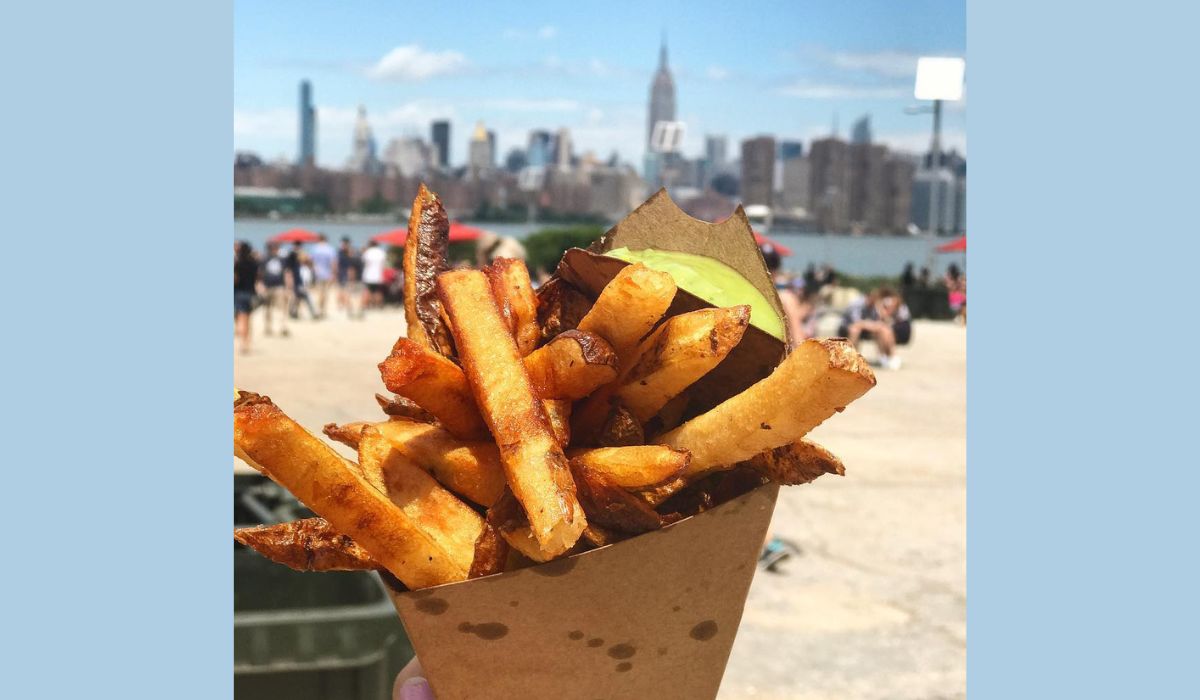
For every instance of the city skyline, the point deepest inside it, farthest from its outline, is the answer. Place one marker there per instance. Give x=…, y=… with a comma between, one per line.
x=796, y=93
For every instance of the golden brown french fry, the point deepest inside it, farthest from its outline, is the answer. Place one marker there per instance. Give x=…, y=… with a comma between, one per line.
x=310, y=544
x=534, y=463
x=560, y=307
x=514, y=293
x=508, y=519
x=558, y=413
x=425, y=257
x=608, y=505
x=628, y=307
x=436, y=384
x=326, y=483
x=634, y=467
x=819, y=378
x=601, y=536
x=797, y=463
x=347, y=433
x=678, y=353
x=450, y=526
x=571, y=366
x=400, y=407
x=491, y=553
x=470, y=468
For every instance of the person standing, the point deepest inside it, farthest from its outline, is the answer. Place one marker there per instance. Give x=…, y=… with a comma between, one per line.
x=374, y=259
x=346, y=260
x=296, y=262
x=277, y=281
x=325, y=262
x=245, y=286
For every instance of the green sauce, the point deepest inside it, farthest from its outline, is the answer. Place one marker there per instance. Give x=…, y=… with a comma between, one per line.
x=711, y=280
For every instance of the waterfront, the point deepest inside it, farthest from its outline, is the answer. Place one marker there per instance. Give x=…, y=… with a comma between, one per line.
x=852, y=255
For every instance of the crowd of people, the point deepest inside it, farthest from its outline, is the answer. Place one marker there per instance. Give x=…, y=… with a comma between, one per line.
x=285, y=280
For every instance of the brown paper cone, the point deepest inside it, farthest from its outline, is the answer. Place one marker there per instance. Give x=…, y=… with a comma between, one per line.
x=651, y=617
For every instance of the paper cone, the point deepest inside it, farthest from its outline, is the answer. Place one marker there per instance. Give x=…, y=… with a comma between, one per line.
x=652, y=617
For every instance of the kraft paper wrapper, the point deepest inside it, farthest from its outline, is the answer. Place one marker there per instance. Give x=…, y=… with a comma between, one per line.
x=651, y=617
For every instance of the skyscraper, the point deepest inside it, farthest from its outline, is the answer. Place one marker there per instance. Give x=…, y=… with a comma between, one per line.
x=308, y=126
x=829, y=183
x=662, y=95
x=715, y=148
x=563, y=154
x=758, y=170
x=479, y=151
x=541, y=148
x=362, y=157
x=861, y=131
x=441, y=143
x=493, y=152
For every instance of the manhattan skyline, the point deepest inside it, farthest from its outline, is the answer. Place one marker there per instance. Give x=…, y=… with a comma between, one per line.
x=782, y=71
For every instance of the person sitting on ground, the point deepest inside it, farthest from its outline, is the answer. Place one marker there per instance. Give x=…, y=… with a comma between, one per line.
x=798, y=313
x=883, y=318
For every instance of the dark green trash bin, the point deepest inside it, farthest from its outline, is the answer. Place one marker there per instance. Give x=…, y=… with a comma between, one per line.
x=308, y=635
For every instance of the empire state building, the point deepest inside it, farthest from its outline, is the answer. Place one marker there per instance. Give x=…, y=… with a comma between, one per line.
x=662, y=96
x=662, y=109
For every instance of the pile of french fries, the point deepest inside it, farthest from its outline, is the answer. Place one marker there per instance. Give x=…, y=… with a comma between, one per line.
x=523, y=426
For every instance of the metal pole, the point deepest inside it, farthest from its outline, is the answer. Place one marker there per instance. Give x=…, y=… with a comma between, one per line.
x=935, y=167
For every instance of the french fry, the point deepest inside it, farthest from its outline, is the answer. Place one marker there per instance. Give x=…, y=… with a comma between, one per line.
x=610, y=506
x=326, y=483
x=628, y=307
x=560, y=307
x=436, y=384
x=558, y=413
x=634, y=467
x=678, y=353
x=306, y=545
x=534, y=463
x=514, y=293
x=571, y=366
x=819, y=378
x=400, y=407
x=797, y=463
x=491, y=553
x=450, y=525
x=470, y=468
x=508, y=519
x=425, y=257
x=621, y=429
x=601, y=536
x=347, y=433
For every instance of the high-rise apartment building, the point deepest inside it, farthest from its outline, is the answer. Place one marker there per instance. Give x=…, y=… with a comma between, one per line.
x=758, y=170
x=440, y=136
x=362, y=155
x=479, y=152
x=829, y=184
x=540, y=151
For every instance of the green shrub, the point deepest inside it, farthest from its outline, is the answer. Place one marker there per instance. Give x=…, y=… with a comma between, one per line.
x=544, y=248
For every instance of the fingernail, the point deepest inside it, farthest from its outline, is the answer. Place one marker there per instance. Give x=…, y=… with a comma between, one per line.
x=416, y=689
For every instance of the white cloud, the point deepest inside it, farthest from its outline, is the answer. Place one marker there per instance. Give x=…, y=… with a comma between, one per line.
x=411, y=63
x=717, y=73
x=267, y=123
x=533, y=105
x=892, y=64
x=547, y=32
x=835, y=91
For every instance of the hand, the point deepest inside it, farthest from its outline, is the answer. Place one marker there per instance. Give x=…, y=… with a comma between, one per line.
x=410, y=684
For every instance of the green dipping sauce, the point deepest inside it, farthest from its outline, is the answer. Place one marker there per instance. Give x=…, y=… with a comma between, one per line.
x=712, y=281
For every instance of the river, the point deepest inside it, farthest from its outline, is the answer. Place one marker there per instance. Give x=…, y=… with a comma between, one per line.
x=852, y=255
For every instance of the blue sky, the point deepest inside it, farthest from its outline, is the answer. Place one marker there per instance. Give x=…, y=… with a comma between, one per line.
x=741, y=69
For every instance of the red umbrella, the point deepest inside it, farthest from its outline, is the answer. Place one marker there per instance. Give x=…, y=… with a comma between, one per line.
x=762, y=240
x=958, y=245
x=458, y=233
x=396, y=236
x=462, y=232
x=296, y=235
